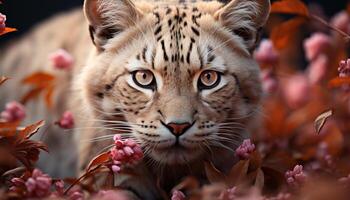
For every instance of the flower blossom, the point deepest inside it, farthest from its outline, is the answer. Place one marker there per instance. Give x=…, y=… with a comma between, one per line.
x=318, y=69
x=269, y=81
x=229, y=194
x=341, y=21
x=14, y=111
x=344, y=68
x=2, y=22
x=38, y=185
x=296, y=176
x=61, y=59
x=66, y=121
x=178, y=195
x=124, y=152
x=245, y=149
x=316, y=45
x=297, y=90
x=266, y=53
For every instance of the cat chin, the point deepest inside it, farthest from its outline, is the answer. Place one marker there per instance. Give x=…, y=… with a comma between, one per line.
x=176, y=156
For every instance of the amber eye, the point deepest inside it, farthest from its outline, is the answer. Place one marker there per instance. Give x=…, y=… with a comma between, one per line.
x=144, y=79
x=208, y=79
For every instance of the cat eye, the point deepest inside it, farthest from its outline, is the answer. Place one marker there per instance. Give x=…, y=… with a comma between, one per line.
x=209, y=79
x=144, y=79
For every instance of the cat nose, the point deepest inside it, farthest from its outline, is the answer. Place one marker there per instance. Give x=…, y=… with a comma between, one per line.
x=178, y=129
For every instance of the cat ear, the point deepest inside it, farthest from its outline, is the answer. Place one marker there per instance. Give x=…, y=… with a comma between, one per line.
x=109, y=17
x=244, y=18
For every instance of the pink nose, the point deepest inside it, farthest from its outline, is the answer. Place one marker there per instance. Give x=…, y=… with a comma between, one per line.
x=178, y=129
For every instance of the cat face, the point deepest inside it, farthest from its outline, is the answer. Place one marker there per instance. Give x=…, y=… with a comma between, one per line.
x=178, y=78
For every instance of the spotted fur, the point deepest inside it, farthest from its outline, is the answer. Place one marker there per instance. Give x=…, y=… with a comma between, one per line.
x=176, y=41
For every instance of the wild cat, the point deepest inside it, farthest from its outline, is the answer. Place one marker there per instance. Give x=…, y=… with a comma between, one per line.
x=176, y=76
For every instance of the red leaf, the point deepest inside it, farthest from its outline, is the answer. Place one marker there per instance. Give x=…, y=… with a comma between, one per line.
x=49, y=95
x=283, y=34
x=8, y=129
x=338, y=81
x=34, y=93
x=39, y=79
x=7, y=30
x=213, y=174
x=238, y=173
x=100, y=159
x=3, y=79
x=295, y=7
x=30, y=130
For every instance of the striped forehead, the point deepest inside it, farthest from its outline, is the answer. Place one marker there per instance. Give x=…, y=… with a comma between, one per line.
x=176, y=33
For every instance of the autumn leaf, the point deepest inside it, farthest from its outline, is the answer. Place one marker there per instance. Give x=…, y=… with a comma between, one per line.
x=238, y=172
x=30, y=130
x=3, y=79
x=8, y=129
x=338, y=81
x=213, y=174
x=99, y=159
x=42, y=82
x=321, y=120
x=295, y=7
x=7, y=30
x=283, y=34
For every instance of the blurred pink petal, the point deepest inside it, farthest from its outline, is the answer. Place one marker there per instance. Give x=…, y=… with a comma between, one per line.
x=14, y=111
x=317, y=44
x=2, y=22
x=61, y=59
x=39, y=185
x=341, y=21
x=269, y=81
x=318, y=69
x=66, y=121
x=297, y=91
x=178, y=195
x=266, y=53
x=296, y=176
x=344, y=68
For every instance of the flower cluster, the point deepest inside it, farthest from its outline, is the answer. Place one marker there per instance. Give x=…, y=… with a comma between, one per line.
x=269, y=81
x=229, y=194
x=2, y=22
x=344, y=68
x=245, y=149
x=61, y=59
x=316, y=45
x=178, y=195
x=124, y=152
x=14, y=111
x=66, y=121
x=296, y=176
x=266, y=55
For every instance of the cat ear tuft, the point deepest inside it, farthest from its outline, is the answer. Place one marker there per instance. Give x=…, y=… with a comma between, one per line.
x=109, y=17
x=244, y=18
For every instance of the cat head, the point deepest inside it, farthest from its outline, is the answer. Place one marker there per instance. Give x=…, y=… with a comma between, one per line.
x=177, y=77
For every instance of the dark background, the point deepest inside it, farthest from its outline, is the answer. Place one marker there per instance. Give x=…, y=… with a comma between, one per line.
x=23, y=14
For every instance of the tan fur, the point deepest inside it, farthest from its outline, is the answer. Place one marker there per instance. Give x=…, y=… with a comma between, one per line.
x=177, y=42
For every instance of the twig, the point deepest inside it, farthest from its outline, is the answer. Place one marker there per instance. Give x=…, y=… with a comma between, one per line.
x=322, y=21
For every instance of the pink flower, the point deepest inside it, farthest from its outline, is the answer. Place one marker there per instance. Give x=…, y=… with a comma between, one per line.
x=344, y=68
x=111, y=195
x=66, y=121
x=178, y=195
x=229, y=194
x=2, y=22
x=61, y=59
x=317, y=44
x=124, y=152
x=14, y=111
x=345, y=180
x=266, y=53
x=296, y=176
x=297, y=90
x=341, y=21
x=245, y=149
x=269, y=81
x=39, y=184
x=317, y=69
